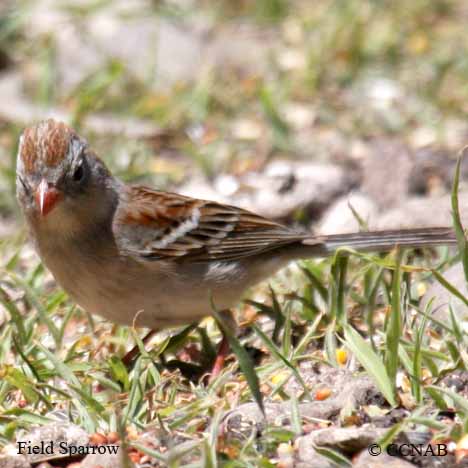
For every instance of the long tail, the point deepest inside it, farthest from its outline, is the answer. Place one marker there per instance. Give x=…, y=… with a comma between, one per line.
x=381, y=241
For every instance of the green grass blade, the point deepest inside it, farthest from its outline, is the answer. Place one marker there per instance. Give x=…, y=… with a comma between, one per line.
x=277, y=354
x=245, y=362
x=316, y=282
x=457, y=223
x=371, y=362
x=449, y=287
x=394, y=328
x=462, y=403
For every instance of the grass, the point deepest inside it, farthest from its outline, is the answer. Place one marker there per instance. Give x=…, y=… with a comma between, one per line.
x=56, y=359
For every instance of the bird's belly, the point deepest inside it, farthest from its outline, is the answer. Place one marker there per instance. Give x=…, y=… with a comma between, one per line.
x=131, y=293
x=155, y=294
x=156, y=306
x=154, y=313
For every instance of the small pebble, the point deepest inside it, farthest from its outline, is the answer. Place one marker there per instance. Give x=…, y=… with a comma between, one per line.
x=113, y=437
x=97, y=439
x=323, y=394
x=135, y=457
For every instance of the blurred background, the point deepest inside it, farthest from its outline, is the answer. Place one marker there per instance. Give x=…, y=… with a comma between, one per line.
x=292, y=108
x=332, y=115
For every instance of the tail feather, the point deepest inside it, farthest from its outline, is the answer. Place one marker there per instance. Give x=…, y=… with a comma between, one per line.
x=381, y=241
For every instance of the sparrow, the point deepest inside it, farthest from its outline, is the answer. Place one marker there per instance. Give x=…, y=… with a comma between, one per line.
x=148, y=258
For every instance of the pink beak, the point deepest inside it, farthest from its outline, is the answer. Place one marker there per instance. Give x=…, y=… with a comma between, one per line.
x=47, y=197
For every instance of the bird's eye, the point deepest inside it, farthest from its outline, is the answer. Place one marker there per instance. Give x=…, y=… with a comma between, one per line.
x=78, y=174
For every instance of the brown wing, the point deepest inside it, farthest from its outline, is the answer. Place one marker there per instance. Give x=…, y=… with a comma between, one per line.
x=162, y=225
